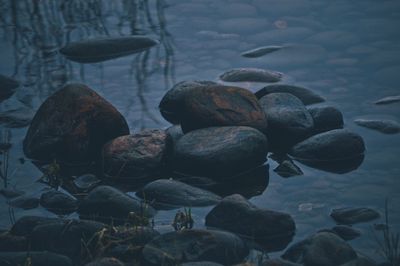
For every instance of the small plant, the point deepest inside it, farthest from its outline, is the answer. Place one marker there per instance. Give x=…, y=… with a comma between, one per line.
x=183, y=220
x=52, y=175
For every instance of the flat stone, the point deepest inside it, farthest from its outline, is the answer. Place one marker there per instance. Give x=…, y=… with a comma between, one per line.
x=354, y=215
x=305, y=95
x=10, y=193
x=389, y=99
x=58, y=202
x=288, y=168
x=25, y=202
x=383, y=125
x=260, y=51
x=251, y=75
x=25, y=225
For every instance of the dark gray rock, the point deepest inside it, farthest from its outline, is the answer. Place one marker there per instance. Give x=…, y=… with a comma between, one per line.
x=138, y=156
x=389, y=99
x=288, y=168
x=16, y=118
x=201, y=263
x=8, y=87
x=167, y=193
x=260, y=51
x=360, y=262
x=251, y=75
x=354, y=215
x=13, y=243
x=25, y=225
x=106, y=262
x=288, y=120
x=10, y=193
x=44, y=258
x=25, y=202
x=106, y=204
x=305, y=95
x=58, y=202
x=272, y=229
x=317, y=251
x=98, y=50
x=195, y=245
x=220, y=151
x=326, y=118
x=344, y=232
x=385, y=126
x=279, y=262
x=86, y=182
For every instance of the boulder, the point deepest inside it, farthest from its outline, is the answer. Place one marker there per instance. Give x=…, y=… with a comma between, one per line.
x=220, y=152
x=58, y=202
x=43, y=258
x=326, y=118
x=271, y=229
x=354, y=215
x=72, y=125
x=305, y=95
x=251, y=75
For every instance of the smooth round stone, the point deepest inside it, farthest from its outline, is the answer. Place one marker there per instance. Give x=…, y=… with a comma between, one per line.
x=354, y=215
x=326, y=118
x=220, y=151
x=183, y=246
x=305, y=95
x=251, y=75
x=58, y=202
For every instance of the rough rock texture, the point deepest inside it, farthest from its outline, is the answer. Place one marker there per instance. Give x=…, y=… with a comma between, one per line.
x=72, y=125
x=220, y=151
x=305, y=95
x=251, y=75
x=272, y=229
x=58, y=202
x=354, y=215
x=326, y=118
x=44, y=258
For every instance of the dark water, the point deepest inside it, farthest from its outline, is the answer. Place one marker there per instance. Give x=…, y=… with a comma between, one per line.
x=347, y=51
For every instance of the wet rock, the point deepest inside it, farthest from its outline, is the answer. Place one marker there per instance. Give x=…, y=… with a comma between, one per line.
x=220, y=151
x=168, y=193
x=317, y=251
x=58, y=202
x=72, y=125
x=16, y=118
x=136, y=156
x=279, y=262
x=389, y=99
x=105, y=203
x=251, y=75
x=44, y=258
x=273, y=230
x=222, y=106
x=201, y=263
x=288, y=120
x=98, y=50
x=86, y=182
x=354, y=215
x=10, y=193
x=25, y=202
x=305, y=95
x=8, y=87
x=195, y=245
x=106, y=262
x=11, y=243
x=172, y=104
x=360, y=262
x=326, y=118
x=260, y=51
x=384, y=125
x=344, y=232
x=288, y=168
x=25, y=225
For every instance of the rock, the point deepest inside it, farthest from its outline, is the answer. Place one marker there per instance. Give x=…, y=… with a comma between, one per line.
x=287, y=168
x=220, y=151
x=175, y=133
x=8, y=87
x=106, y=262
x=174, y=248
x=10, y=193
x=105, y=203
x=58, y=202
x=326, y=118
x=138, y=156
x=354, y=215
x=279, y=262
x=288, y=120
x=384, y=125
x=344, y=232
x=222, y=106
x=260, y=51
x=16, y=118
x=25, y=202
x=98, y=50
x=317, y=251
x=168, y=193
x=72, y=125
x=25, y=225
x=389, y=99
x=12, y=243
x=305, y=95
x=360, y=262
x=272, y=229
x=172, y=104
x=86, y=182
x=43, y=258
x=251, y=75
x=201, y=263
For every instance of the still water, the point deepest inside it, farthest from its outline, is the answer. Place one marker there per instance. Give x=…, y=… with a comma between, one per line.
x=346, y=51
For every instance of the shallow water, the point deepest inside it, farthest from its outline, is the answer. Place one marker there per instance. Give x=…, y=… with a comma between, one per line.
x=347, y=51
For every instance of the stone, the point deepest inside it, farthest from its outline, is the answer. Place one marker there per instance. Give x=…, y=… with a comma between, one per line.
x=251, y=75
x=201, y=263
x=16, y=118
x=43, y=258
x=316, y=250
x=137, y=156
x=25, y=202
x=360, y=262
x=12, y=243
x=193, y=245
x=10, y=193
x=58, y=202
x=271, y=229
x=220, y=151
x=354, y=215
x=288, y=120
x=222, y=106
x=305, y=95
x=72, y=125
x=389, y=99
x=385, y=126
x=288, y=168
x=260, y=51
x=106, y=262
x=326, y=118
x=168, y=193
x=344, y=232
x=86, y=182
x=25, y=225
x=8, y=86
x=278, y=262
x=106, y=204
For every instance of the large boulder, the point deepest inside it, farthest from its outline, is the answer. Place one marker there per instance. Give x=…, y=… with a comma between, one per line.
x=305, y=95
x=272, y=229
x=72, y=125
x=220, y=151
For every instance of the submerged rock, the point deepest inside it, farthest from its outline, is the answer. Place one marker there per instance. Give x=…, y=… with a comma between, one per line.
x=25, y=225
x=317, y=251
x=25, y=202
x=166, y=194
x=72, y=125
x=178, y=247
x=271, y=229
x=43, y=258
x=98, y=50
x=222, y=106
x=16, y=118
x=345, y=232
x=8, y=87
x=389, y=99
x=108, y=261
x=58, y=202
x=354, y=215
x=288, y=168
x=220, y=151
x=105, y=203
x=279, y=262
x=251, y=75
x=86, y=182
x=385, y=126
x=326, y=118
x=260, y=51
x=288, y=120
x=10, y=193
x=11, y=243
x=136, y=156
x=305, y=95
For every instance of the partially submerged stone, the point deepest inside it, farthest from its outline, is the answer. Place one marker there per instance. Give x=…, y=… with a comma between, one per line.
x=25, y=202
x=389, y=99
x=25, y=225
x=108, y=261
x=305, y=95
x=10, y=193
x=344, y=231
x=251, y=75
x=260, y=51
x=58, y=202
x=288, y=168
x=385, y=126
x=354, y=215
x=326, y=118
x=8, y=87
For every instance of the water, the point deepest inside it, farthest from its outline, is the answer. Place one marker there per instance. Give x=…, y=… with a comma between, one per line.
x=347, y=51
